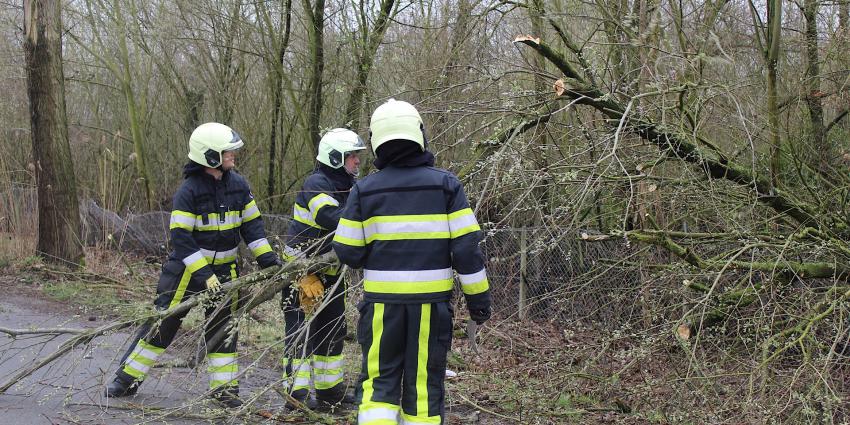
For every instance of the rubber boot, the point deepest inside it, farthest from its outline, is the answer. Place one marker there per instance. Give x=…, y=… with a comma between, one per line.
x=335, y=399
x=122, y=386
x=302, y=396
x=228, y=396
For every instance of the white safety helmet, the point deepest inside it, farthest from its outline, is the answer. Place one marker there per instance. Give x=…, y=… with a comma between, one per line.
x=336, y=144
x=396, y=120
x=209, y=140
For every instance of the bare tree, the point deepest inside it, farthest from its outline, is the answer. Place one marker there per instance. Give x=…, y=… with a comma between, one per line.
x=58, y=210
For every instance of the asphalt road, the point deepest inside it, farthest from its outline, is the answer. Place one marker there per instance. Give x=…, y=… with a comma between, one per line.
x=69, y=390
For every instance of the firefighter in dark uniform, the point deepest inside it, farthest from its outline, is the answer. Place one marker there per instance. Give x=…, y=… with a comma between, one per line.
x=316, y=355
x=213, y=210
x=408, y=226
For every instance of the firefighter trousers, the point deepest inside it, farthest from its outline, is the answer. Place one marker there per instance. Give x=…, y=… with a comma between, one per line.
x=176, y=285
x=404, y=346
x=315, y=351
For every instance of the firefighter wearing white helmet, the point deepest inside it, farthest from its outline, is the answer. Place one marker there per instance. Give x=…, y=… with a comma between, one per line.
x=410, y=227
x=396, y=120
x=213, y=210
x=336, y=146
x=318, y=360
x=209, y=141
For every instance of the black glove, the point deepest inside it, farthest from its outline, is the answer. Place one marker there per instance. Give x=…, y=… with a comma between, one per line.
x=275, y=262
x=480, y=315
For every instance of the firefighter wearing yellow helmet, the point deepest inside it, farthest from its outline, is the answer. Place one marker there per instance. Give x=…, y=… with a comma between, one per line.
x=212, y=211
x=318, y=360
x=410, y=227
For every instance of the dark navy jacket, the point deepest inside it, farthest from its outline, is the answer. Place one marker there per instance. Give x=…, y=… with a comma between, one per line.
x=408, y=227
x=210, y=217
x=316, y=211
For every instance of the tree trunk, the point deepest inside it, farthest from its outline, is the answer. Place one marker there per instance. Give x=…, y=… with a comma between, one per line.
x=58, y=211
x=277, y=83
x=364, y=64
x=774, y=21
x=317, y=62
x=813, y=94
x=133, y=112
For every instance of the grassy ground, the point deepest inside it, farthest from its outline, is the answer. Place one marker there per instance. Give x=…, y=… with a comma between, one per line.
x=533, y=372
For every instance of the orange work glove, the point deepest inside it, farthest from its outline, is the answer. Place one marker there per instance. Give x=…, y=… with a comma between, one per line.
x=310, y=292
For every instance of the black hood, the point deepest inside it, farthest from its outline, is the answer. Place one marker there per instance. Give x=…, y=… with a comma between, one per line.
x=402, y=153
x=192, y=168
x=340, y=178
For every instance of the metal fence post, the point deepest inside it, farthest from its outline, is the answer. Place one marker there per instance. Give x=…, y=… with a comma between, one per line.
x=523, y=283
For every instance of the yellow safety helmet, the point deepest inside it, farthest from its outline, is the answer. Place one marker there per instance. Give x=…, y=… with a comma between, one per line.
x=396, y=120
x=209, y=140
x=335, y=144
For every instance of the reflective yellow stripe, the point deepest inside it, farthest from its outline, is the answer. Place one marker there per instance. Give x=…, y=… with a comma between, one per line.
x=250, y=212
x=463, y=222
x=408, y=287
x=196, y=265
x=232, y=220
x=317, y=202
x=422, y=364
x=141, y=359
x=260, y=247
x=350, y=232
x=182, y=220
x=474, y=283
x=349, y=241
x=181, y=288
x=373, y=365
x=405, y=227
x=377, y=413
x=302, y=215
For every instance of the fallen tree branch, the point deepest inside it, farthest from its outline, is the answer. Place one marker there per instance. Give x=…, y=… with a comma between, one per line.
x=44, y=331
x=675, y=145
x=280, y=276
x=810, y=269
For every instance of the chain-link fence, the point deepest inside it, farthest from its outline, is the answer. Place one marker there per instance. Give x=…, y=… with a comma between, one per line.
x=547, y=273
x=541, y=273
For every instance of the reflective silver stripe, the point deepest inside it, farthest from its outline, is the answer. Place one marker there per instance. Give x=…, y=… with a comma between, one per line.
x=258, y=243
x=302, y=214
x=197, y=255
x=404, y=227
x=223, y=376
x=336, y=364
x=301, y=382
x=220, y=361
x=231, y=219
x=328, y=378
x=319, y=200
x=219, y=254
x=469, y=279
x=181, y=219
x=349, y=232
x=376, y=414
x=407, y=275
x=465, y=220
x=148, y=354
x=253, y=209
x=141, y=367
